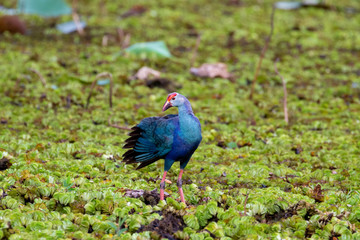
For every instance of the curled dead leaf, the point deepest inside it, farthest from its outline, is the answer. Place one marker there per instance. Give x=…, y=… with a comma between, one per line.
x=139, y=193
x=211, y=70
x=134, y=193
x=135, y=10
x=145, y=73
x=12, y=24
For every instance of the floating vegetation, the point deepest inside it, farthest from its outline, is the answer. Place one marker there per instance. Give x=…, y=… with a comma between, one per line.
x=252, y=177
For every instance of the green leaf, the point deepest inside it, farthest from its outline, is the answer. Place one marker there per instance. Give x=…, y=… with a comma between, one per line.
x=225, y=238
x=232, y=145
x=215, y=229
x=45, y=8
x=197, y=236
x=10, y=202
x=181, y=235
x=148, y=49
x=112, y=225
x=212, y=207
x=202, y=215
x=192, y=221
x=90, y=208
x=121, y=231
x=36, y=226
x=44, y=191
x=135, y=222
x=67, y=183
x=64, y=198
x=211, y=227
x=174, y=203
x=121, y=221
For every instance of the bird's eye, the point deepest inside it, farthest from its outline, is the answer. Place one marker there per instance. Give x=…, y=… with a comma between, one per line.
x=173, y=98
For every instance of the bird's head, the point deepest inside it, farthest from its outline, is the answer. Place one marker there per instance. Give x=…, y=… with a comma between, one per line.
x=173, y=100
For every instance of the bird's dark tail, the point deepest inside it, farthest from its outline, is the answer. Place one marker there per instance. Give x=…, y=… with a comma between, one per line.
x=133, y=156
x=135, y=134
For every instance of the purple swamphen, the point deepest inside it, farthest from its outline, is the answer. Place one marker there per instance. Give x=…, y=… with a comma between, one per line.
x=172, y=137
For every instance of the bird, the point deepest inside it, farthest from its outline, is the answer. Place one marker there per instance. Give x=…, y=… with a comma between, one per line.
x=173, y=137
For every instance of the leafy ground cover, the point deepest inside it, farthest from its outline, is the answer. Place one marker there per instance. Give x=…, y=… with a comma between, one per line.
x=253, y=176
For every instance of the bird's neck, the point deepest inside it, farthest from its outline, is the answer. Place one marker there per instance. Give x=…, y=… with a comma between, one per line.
x=185, y=110
x=188, y=123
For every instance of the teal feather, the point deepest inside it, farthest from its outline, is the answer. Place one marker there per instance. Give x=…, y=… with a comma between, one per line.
x=172, y=137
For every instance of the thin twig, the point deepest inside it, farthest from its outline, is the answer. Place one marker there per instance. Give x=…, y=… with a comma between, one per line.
x=102, y=8
x=76, y=19
x=267, y=41
x=79, y=28
x=117, y=126
x=286, y=116
x=195, y=51
x=101, y=75
x=245, y=202
x=41, y=77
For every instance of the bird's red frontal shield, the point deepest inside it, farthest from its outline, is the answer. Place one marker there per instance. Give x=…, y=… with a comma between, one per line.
x=168, y=104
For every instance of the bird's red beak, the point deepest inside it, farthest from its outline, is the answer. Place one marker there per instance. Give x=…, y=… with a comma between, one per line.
x=167, y=105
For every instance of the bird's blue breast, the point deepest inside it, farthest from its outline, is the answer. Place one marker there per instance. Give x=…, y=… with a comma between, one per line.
x=186, y=140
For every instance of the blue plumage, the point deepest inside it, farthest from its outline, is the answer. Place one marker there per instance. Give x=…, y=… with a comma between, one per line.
x=172, y=137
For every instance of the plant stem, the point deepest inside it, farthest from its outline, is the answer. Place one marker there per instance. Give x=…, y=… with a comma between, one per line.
x=101, y=75
x=245, y=202
x=41, y=77
x=267, y=41
x=195, y=51
x=286, y=116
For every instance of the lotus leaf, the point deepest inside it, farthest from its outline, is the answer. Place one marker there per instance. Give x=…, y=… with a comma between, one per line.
x=43, y=8
x=157, y=48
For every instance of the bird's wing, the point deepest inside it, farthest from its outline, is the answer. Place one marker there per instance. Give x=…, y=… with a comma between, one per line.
x=150, y=140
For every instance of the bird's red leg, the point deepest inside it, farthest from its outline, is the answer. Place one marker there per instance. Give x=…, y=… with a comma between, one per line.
x=162, y=186
x=179, y=184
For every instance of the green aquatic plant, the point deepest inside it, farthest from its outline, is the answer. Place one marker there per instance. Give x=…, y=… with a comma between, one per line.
x=118, y=230
x=253, y=176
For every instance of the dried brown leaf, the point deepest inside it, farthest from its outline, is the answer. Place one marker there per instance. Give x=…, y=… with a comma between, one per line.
x=317, y=194
x=12, y=24
x=135, y=10
x=211, y=70
x=145, y=73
